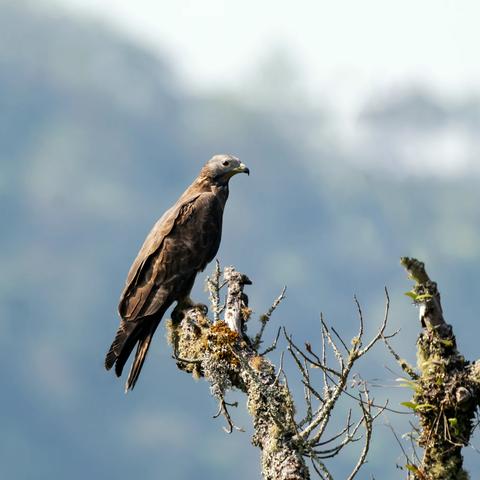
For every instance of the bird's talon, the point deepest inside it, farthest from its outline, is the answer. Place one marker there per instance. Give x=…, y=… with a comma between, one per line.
x=202, y=307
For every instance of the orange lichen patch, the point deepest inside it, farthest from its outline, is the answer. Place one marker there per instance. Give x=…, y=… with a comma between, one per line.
x=246, y=313
x=221, y=329
x=221, y=341
x=256, y=362
x=221, y=335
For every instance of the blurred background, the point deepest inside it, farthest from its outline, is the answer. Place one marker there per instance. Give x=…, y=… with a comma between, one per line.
x=360, y=122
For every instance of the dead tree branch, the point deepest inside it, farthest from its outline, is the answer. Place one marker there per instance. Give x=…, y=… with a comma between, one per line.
x=447, y=387
x=227, y=360
x=223, y=353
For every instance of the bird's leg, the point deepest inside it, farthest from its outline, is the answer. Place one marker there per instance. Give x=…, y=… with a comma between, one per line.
x=185, y=304
x=188, y=303
x=202, y=307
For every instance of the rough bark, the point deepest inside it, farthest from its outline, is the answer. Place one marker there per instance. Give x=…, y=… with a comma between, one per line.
x=227, y=360
x=223, y=354
x=447, y=390
x=236, y=299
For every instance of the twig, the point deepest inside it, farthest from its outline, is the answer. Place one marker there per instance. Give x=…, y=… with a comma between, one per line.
x=340, y=338
x=320, y=467
x=266, y=317
x=330, y=341
x=389, y=425
x=379, y=334
x=273, y=346
x=368, y=420
x=213, y=286
x=404, y=365
x=222, y=410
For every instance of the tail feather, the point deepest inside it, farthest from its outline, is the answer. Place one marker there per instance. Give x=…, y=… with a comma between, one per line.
x=140, y=355
x=122, y=346
x=127, y=348
x=128, y=335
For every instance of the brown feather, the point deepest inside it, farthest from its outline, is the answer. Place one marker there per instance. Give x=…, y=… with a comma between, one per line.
x=140, y=355
x=179, y=246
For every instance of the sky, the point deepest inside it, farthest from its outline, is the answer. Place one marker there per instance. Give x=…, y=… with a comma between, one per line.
x=343, y=53
x=346, y=46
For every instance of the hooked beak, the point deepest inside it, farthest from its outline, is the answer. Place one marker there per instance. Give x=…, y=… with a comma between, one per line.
x=242, y=168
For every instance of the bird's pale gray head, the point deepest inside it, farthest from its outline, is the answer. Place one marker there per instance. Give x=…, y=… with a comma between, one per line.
x=220, y=168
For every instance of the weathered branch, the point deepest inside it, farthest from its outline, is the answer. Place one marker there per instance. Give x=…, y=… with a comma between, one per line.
x=447, y=392
x=236, y=311
x=321, y=418
x=227, y=358
x=266, y=317
x=214, y=287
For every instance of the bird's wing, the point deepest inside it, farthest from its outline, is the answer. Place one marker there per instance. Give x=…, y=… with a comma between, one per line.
x=182, y=242
x=140, y=273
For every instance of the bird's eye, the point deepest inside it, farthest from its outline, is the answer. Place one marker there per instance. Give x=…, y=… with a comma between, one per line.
x=226, y=163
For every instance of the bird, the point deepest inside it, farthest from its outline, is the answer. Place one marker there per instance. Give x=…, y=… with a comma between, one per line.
x=179, y=246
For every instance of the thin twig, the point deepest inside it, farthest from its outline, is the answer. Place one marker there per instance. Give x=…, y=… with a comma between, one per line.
x=213, y=286
x=273, y=346
x=266, y=317
x=340, y=338
x=222, y=410
x=368, y=420
x=389, y=425
x=404, y=365
x=379, y=334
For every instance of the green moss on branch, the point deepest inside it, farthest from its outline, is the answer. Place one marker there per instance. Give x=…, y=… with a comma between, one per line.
x=446, y=396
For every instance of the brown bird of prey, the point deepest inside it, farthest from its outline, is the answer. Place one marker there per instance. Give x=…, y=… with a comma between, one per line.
x=181, y=244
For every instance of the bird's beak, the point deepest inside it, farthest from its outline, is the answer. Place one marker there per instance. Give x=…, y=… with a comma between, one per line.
x=242, y=168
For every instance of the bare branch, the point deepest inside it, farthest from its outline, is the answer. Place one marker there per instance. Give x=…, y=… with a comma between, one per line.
x=389, y=425
x=368, y=422
x=405, y=366
x=342, y=432
x=222, y=410
x=380, y=332
x=340, y=338
x=266, y=317
x=292, y=347
x=225, y=356
x=236, y=302
x=213, y=287
x=330, y=341
x=273, y=346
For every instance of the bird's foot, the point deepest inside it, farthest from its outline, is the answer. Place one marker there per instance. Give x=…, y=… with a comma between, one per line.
x=202, y=307
x=179, y=312
x=178, y=315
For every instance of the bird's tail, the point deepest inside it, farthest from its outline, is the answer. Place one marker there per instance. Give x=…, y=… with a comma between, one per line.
x=123, y=343
x=140, y=355
x=128, y=335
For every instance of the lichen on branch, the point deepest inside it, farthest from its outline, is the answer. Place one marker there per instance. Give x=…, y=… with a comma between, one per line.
x=446, y=388
x=227, y=358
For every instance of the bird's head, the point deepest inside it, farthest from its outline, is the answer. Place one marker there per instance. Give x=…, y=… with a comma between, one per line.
x=220, y=168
